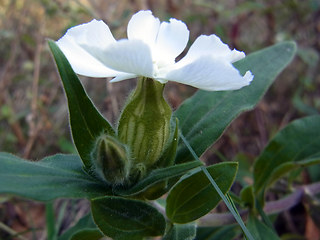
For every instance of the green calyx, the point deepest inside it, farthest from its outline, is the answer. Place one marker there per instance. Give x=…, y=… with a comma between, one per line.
x=112, y=160
x=144, y=125
x=146, y=139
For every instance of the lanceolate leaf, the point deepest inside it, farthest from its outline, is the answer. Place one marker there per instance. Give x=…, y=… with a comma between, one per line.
x=84, y=223
x=157, y=176
x=92, y=234
x=259, y=230
x=283, y=169
x=58, y=176
x=181, y=232
x=204, y=117
x=296, y=145
x=193, y=196
x=86, y=121
x=122, y=219
x=247, y=197
x=217, y=233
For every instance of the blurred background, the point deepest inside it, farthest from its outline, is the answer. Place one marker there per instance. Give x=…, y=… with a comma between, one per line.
x=33, y=110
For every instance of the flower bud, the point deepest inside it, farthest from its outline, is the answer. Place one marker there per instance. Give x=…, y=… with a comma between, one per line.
x=112, y=160
x=144, y=124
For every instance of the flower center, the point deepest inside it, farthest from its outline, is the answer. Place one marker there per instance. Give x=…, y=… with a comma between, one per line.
x=159, y=65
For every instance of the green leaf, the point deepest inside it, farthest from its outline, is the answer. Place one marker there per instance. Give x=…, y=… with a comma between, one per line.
x=247, y=196
x=259, y=230
x=204, y=116
x=121, y=218
x=50, y=222
x=157, y=176
x=194, y=196
x=313, y=172
x=284, y=168
x=244, y=174
x=85, y=222
x=217, y=233
x=86, y=121
x=296, y=145
x=92, y=234
x=181, y=232
x=57, y=176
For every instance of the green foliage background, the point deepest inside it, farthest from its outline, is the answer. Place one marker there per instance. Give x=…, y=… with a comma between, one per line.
x=33, y=110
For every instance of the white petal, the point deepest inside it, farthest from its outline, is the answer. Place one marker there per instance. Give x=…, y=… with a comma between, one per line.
x=143, y=26
x=212, y=46
x=236, y=55
x=130, y=56
x=123, y=76
x=83, y=45
x=210, y=74
x=172, y=39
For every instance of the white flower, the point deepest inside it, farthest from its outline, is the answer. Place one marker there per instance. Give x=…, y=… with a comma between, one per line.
x=150, y=51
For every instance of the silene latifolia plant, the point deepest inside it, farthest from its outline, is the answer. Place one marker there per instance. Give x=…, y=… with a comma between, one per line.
x=125, y=170
x=145, y=132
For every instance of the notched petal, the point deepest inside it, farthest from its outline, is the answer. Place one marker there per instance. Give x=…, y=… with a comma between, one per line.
x=210, y=74
x=211, y=46
x=83, y=46
x=172, y=39
x=143, y=26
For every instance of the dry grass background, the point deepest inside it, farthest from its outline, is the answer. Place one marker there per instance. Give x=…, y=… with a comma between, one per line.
x=33, y=110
